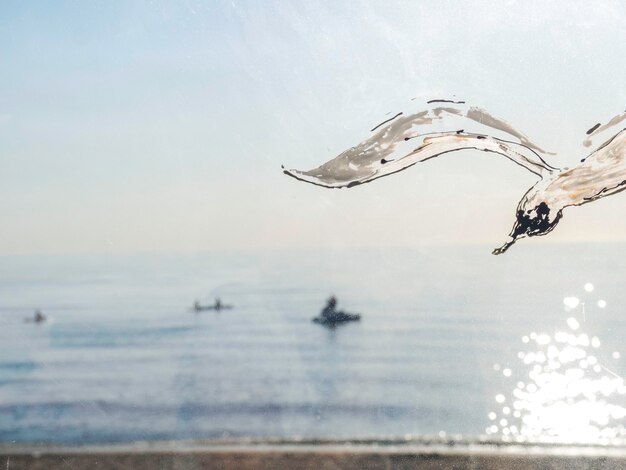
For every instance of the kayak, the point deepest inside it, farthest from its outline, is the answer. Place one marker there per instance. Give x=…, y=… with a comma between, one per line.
x=201, y=308
x=338, y=317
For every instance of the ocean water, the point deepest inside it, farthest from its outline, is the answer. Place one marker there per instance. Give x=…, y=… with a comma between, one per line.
x=441, y=341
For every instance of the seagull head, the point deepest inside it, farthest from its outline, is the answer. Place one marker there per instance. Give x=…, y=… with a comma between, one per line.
x=535, y=217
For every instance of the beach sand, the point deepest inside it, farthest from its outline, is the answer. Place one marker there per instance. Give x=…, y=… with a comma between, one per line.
x=338, y=455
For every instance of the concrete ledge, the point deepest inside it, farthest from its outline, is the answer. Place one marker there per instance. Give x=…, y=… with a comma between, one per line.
x=337, y=455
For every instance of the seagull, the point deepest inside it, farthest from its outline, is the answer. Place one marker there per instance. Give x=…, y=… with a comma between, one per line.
x=445, y=126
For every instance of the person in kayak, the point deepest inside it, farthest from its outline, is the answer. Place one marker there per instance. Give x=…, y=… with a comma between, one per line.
x=37, y=318
x=331, y=316
x=330, y=309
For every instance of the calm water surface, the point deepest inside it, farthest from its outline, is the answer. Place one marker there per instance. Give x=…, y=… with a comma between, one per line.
x=122, y=357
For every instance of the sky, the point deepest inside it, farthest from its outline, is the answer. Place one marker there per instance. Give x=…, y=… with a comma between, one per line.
x=162, y=126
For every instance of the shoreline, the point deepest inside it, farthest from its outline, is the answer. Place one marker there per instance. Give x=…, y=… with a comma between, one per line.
x=346, y=454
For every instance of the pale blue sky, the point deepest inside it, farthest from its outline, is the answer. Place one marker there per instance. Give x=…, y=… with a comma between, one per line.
x=162, y=126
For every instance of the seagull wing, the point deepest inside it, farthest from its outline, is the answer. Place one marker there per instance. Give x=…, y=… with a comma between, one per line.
x=407, y=139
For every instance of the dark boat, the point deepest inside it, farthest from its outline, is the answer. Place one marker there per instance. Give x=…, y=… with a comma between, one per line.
x=38, y=318
x=337, y=317
x=330, y=316
x=217, y=306
x=202, y=308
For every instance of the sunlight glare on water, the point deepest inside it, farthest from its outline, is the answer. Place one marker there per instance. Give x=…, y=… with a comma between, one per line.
x=568, y=395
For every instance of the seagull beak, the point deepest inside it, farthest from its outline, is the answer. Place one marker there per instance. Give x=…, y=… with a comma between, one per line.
x=503, y=248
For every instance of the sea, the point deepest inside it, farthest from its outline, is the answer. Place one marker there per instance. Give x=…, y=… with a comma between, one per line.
x=442, y=347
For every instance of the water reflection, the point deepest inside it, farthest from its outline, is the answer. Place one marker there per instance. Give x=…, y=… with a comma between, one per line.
x=563, y=393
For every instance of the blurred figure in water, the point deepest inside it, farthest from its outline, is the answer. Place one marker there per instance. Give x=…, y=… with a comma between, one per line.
x=37, y=318
x=330, y=308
